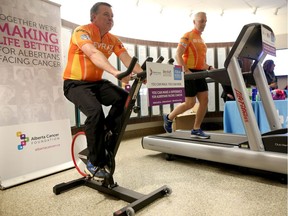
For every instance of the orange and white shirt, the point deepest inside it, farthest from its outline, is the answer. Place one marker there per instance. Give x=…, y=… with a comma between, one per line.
x=79, y=66
x=195, y=50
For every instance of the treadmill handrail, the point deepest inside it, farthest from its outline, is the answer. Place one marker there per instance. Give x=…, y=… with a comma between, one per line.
x=218, y=75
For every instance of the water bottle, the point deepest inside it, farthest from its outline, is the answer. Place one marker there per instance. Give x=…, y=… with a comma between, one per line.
x=254, y=94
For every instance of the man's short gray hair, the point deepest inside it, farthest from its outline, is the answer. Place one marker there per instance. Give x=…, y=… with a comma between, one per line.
x=95, y=8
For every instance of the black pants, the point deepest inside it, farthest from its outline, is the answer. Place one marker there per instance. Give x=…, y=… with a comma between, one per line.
x=227, y=89
x=192, y=87
x=89, y=98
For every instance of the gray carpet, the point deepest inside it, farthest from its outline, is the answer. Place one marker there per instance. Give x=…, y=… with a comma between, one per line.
x=198, y=188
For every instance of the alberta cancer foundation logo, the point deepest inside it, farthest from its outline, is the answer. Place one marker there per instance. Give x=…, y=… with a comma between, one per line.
x=43, y=142
x=23, y=140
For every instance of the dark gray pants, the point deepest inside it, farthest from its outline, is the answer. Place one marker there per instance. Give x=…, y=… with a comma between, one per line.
x=89, y=98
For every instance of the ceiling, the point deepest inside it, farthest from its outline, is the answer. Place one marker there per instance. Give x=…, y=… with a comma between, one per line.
x=164, y=20
x=276, y=6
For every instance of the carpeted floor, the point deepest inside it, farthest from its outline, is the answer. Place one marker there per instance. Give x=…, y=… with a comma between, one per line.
x=199, y=188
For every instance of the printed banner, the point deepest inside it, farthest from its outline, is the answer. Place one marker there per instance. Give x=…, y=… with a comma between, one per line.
x=165, y=83
x=34, y=127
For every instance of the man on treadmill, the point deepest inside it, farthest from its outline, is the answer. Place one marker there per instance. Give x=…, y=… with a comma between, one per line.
x=191, y=54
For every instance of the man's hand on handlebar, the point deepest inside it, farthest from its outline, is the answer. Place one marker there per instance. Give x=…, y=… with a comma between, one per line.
x=130, y=77
x=127, y=75
x=126, y=79
x=210, y=68
x=188, y=72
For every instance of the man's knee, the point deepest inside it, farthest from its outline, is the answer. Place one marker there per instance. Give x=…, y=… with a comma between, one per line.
x=94, y=116
x=189, y=105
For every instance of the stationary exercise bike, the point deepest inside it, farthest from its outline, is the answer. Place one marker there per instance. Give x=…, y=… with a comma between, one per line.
x=108, y=185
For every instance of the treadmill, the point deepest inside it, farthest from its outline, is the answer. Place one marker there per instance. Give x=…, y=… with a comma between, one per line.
x=254, y=150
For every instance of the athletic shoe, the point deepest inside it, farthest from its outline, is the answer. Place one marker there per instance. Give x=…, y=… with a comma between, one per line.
x=199, y=134
x=96, y=172
x=167, y=124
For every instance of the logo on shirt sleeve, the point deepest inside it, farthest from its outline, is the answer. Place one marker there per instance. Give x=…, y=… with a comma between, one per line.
x=183, y=44
x=85, y=37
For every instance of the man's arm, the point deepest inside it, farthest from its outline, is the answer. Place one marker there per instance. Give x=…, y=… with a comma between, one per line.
x=126, y=59
x=179, y=52
x=99, y=59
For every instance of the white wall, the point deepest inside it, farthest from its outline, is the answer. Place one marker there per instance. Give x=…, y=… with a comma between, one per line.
x=170, y=25
x=145, y=21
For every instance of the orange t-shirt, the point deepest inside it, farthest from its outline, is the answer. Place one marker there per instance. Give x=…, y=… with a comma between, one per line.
x=79, y=66
x=195, y=50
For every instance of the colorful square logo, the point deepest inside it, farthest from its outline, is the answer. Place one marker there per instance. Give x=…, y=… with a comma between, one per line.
x=23, y=140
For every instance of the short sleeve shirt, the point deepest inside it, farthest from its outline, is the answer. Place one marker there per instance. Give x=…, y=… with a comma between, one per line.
x=195, y=50
x=79, y=66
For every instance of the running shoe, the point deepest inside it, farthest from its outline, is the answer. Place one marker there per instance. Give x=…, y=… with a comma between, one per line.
x=199, y=134
x=167, y=124
x=96, y=172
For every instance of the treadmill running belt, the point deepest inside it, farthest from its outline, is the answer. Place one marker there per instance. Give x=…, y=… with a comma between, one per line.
x=216, y=138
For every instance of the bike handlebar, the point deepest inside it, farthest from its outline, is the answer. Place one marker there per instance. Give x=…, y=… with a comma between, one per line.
x=132, y=65
x=170, y=61
x=160, y=59
x=148, y=59
x=143, y=73
x=129, y=69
